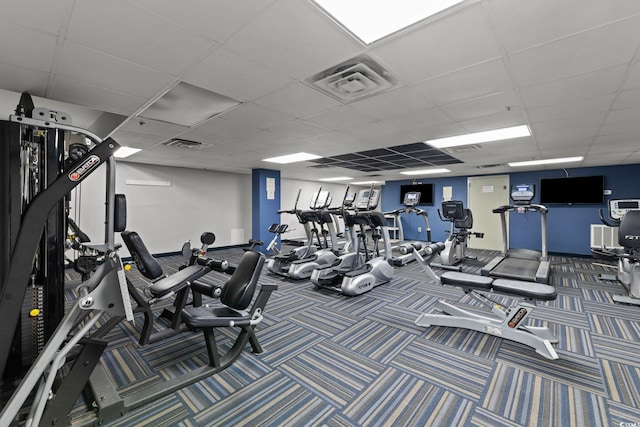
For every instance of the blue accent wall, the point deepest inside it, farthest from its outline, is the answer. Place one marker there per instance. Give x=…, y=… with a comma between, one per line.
x=264, y=211
x=568, y=225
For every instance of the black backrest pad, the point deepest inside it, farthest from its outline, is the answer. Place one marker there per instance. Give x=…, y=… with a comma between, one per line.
x=629, y=231
x=466, y=223
x=238, y=291
x=120, y=213
x=147, y=264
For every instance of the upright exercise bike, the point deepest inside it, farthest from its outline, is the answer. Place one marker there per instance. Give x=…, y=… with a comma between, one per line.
x=455, y=247
x=624, y=214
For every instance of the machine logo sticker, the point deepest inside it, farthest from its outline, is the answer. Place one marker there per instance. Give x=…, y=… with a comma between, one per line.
x=84, y=168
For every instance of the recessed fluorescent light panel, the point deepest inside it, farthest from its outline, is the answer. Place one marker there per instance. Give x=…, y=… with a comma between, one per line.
x=367, y=182
x=480, y=137
x=371, y=20
x=188, y=105
x=123, y=152
x=425, y=171
x=547, y=161
x=292, y=158
x=337, y=178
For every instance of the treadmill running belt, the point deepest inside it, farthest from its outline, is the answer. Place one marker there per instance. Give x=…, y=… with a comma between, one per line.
x=516, y=268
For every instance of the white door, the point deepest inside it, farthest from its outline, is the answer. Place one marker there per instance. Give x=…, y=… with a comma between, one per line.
x=484, y=194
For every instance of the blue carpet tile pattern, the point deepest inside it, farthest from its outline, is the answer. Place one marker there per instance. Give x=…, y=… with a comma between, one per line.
x=332, y=360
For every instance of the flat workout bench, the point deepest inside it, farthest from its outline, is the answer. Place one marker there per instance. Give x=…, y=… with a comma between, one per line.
x=509, y=321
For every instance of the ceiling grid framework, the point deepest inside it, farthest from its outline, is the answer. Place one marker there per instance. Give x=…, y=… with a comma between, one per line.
x=569, y=70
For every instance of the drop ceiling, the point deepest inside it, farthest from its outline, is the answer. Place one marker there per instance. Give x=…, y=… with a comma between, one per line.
x=569, y=69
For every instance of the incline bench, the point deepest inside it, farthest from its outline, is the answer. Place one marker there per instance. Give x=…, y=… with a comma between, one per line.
x=509, y=321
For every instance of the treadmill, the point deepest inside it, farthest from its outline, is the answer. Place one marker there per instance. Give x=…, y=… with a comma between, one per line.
x=521, y=264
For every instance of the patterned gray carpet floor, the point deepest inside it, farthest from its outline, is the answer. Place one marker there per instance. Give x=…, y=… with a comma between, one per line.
x=332, y=360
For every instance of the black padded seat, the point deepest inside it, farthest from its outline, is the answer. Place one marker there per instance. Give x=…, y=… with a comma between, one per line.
x=208, y=317
x=177, y=281
x=147, y=264
x=466, y=280
x=531, y=290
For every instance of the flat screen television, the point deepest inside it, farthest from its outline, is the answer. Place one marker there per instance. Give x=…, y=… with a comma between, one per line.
x=426, y=192
x=578, y=190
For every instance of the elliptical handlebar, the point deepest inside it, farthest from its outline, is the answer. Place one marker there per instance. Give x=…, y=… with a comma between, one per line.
x=613, y=223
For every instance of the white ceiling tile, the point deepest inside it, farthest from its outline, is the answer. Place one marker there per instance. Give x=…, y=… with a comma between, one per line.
x=633, y=80
x=340, y=118
x=72, y=91
x=484, y=106
x=225, y=128
x=393, y=103
x=299, y=129
x=214, y=19
x=153, y=127
x=591, y=121
x=297, y=100
x=328, y=143
x=435, y=49
x=135, y=139
x=573, y=138
x=19, y=79
x=427, y=132
x=602, y=48
x=472, y=82
x=584, y=86
x=37, y=15
x=234, y=76
x=570, y=109
x=619, y=139
x=267, y=138
x=85, y=65
x=523, y=23
x=122, y=29
x=256, y=116
x=419, y=119
x=26, y=48
x=627, y=99
x=294, y=38
x=379, y=132
x=499, y=120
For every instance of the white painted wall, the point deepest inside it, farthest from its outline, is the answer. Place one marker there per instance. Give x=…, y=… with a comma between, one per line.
x=195, y=201
x=165, y=217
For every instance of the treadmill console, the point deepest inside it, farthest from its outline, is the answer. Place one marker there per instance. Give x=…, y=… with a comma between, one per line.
x=619, y=207
x=349, y=198
x=411, y=199
x=522, y=194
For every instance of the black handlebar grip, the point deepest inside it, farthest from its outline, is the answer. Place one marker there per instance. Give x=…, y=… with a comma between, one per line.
x=220, y=265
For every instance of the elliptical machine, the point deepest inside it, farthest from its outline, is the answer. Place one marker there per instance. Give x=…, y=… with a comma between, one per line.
x=279, y=263
x=375, y=270
x=405, y=248
x=455, y=247
x=624, y=214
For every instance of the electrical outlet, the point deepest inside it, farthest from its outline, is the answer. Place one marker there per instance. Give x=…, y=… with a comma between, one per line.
x=419, y=229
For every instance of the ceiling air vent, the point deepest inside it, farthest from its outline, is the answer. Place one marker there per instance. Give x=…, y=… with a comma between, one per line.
x=352, y=80
x=463, y=149
x=497, y=165
x=183, y=143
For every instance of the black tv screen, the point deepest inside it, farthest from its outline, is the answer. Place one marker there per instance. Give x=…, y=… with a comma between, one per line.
x=426, y=192
x=579, y=190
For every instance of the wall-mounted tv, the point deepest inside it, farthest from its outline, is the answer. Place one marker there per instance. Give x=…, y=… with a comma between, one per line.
x=426, y=192
x=578, y=190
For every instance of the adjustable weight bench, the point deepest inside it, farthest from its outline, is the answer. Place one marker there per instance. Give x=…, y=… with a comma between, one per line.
x=166, y=286
x=508, y=322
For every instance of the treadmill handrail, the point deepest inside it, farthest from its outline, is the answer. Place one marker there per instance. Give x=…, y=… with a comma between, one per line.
x=530, y=207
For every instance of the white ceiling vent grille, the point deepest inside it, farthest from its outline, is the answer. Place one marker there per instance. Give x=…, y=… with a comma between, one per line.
x=183, y=143
x=463, y=149
x=352, y=80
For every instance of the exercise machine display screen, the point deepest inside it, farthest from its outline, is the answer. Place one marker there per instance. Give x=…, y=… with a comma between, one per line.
x=619, y=207
x=453, y=209
x=411, y=199
x=321, y=200
x=368, y=199
x=522, y=192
